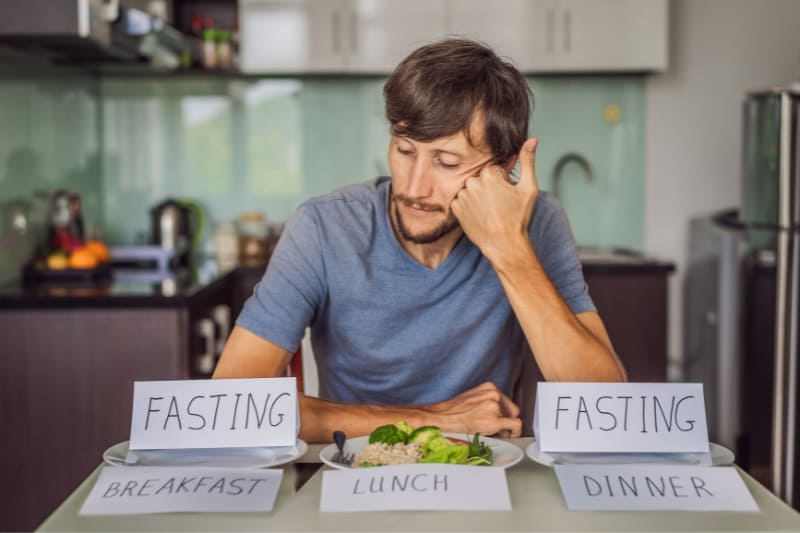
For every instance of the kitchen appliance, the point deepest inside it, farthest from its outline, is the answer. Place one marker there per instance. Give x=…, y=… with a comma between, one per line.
x=78, y=31
x=743, y=298
x=173, y=226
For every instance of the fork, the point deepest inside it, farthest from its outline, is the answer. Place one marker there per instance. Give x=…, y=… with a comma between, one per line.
x=341, y=456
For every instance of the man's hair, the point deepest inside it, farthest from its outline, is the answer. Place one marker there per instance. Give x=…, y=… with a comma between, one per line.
x=437, y=90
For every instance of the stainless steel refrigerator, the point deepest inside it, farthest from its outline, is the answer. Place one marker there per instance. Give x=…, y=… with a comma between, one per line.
x=742, y=291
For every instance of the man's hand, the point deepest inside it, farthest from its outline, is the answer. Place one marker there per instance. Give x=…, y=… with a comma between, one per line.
x=483, y=409
x=492, y=210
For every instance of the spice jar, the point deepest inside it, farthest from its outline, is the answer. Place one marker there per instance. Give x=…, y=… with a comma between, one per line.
x=253, y=232
x=226, y=244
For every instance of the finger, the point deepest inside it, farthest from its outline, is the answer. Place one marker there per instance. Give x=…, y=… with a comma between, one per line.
x=527, y=164
x=476, y=169
x=495, y=172
x=508, y=407
x=510, y=427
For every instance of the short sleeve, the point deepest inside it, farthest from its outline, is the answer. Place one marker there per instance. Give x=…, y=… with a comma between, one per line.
x=555, y=247
x=286, y=299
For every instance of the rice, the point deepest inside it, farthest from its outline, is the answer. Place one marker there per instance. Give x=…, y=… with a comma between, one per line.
x=380, y=453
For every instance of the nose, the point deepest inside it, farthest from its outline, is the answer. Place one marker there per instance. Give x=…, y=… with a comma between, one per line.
x=420, y=184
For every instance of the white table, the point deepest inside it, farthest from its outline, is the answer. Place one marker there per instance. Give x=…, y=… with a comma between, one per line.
x=535, y=497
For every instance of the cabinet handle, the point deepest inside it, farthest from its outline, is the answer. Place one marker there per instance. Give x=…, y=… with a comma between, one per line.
x=337, y=32
x=353, y=32
x=567, y=31
x=550, y=22
x=204, y=362
x=222, y=318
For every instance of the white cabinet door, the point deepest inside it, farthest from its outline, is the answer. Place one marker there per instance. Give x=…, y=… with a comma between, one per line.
x=611, y=35
x=520, y=30
x=292, y=36
x=380, y=33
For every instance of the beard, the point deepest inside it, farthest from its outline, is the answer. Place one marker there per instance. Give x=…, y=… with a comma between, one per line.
x=449, y=224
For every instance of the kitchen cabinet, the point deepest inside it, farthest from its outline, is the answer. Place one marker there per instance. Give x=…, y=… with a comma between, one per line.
x=372, y=36
x=521, y=30
x=633, y=305
x=356, y=36
x=611, y=35
x=69, y=360
x=568, y=35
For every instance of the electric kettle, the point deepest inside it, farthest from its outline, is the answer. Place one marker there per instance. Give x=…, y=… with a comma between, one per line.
x=173, y=227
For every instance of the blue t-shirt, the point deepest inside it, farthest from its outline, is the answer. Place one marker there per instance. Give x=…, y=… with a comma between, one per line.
x=386, y=329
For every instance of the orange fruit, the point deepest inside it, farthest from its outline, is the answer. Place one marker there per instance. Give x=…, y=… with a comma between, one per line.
x=57, y=261
x=99, y=250
x=82, y=258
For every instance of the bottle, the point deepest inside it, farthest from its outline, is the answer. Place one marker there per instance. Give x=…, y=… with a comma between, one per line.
x=235, y=43
x=224, y=50
x=210, y=60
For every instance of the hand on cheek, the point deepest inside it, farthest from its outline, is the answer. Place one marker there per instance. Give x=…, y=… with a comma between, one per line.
x=491, y=209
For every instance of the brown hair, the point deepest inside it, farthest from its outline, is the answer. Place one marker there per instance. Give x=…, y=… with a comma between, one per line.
x=440, y=88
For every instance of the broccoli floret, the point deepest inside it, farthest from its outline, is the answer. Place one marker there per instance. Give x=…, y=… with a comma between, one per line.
x=403, y=426
x=388, y=434
x=424, y=434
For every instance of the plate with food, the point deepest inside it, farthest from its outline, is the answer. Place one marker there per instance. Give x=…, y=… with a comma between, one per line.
x=718, y=456
x=252, y=457
x=401, y=444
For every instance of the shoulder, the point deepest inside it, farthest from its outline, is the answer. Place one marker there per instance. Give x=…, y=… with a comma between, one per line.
x=350, y=213
x=547, y=212
x=359, y=196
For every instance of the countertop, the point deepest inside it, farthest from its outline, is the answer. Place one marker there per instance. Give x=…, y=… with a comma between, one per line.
x=537, y=505
x=621, y=262
x=139, y=288
x=127, y=288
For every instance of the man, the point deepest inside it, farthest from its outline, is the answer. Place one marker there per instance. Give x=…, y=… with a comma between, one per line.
x=425, y=291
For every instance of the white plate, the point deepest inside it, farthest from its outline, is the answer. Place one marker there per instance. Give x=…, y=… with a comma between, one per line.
x=257, y=457
x=504, y=454
x=718, y=456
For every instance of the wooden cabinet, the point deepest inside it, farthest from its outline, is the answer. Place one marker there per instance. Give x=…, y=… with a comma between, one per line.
x=633, y=305
x=66, y=383
x=67, y=386
x=372, y=36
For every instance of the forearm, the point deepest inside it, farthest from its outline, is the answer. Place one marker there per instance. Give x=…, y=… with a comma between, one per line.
x=564, y=348
x=320, y=418
x=483, y=409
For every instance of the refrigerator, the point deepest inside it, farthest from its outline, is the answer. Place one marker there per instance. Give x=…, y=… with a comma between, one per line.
x=741, y=305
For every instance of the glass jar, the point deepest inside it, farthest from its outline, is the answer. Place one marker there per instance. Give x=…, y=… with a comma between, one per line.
x=253, y=231
x=226, y=244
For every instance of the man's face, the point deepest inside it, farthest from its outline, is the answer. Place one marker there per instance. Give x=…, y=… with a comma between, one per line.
x=426, y=176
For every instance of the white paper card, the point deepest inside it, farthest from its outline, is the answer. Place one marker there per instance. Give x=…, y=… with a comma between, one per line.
x=621, y=417
x=214, y=413
x=430, y=487
x=653, y=488
x=159, y=489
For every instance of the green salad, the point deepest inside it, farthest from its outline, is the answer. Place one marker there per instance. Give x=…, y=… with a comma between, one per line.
x=434, y=446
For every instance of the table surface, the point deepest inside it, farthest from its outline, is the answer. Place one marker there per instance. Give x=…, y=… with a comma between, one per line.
x=537, y=505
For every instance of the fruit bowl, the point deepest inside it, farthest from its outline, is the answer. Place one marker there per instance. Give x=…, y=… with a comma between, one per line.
x=33, y=274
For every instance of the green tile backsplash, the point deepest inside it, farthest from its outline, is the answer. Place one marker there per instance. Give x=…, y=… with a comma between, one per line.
x=236, y=145
x=49, y=139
